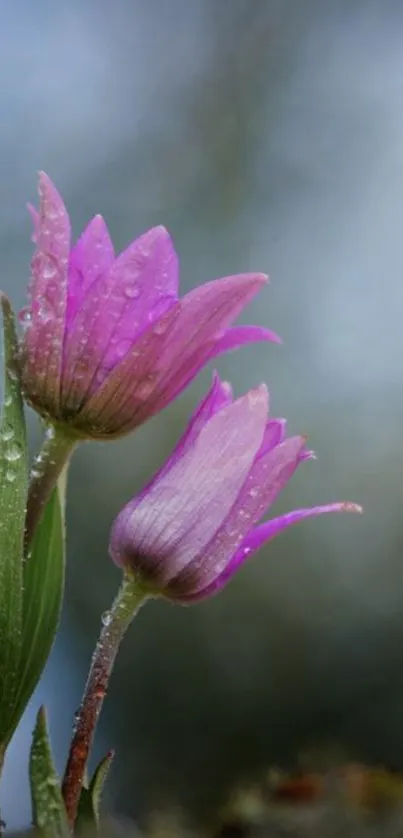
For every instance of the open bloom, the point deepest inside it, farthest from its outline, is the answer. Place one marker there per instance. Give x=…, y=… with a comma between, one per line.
x=107, y=343
x=194, y=524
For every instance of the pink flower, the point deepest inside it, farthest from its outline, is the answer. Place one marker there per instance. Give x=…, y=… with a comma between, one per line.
x=195, y=523
x=107, y=343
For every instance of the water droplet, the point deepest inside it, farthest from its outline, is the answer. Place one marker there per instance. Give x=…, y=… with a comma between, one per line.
x=160, y=327
x=7, y=400
x=106, y=618
x=25, y=316
x=145, y=387
x=44, y=312
x=49, y=271
x=7, y=434
x=123, y=348
x=10, y=476
x=100, y=692
x=12, y=453
x=132, y=292
x=12, y=372
x=76, y=720
x=254, y=493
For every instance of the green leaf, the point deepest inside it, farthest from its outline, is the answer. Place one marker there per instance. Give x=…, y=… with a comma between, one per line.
x=90, y=798
x=13, y=498
x=43, y=594
x=48, y=810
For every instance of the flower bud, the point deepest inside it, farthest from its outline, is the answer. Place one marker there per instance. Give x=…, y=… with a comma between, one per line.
x=195, y=523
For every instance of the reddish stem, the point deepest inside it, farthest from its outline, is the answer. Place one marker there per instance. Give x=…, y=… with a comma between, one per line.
x=114, y=625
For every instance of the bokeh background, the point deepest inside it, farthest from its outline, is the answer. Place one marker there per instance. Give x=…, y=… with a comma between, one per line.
x=266, y=135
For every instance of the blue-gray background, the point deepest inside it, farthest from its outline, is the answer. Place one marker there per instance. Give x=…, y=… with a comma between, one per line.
x=266, y=136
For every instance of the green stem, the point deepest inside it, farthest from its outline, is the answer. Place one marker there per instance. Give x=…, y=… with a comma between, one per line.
x=47, y=468
x=114, y=625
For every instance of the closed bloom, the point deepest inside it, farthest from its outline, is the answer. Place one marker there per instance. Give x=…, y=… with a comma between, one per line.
x=195, y=523
x=107, y=343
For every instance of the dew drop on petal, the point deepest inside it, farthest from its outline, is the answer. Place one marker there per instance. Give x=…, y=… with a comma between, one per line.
x=132, y=292
x=160, y=327
x=122, y=348
x=25, y=316
x=145, y=387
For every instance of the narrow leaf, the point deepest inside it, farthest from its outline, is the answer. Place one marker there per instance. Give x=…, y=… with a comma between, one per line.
x=48, y=810
x=13, y=498
x=90, y=798
x=98, y=781
x=43, y=594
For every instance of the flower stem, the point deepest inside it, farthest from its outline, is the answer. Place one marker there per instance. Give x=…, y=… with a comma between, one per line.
x=46, y=470
x=114, y=625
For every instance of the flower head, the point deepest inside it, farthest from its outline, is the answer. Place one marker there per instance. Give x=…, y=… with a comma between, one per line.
x=107, y=343
x=194, y=524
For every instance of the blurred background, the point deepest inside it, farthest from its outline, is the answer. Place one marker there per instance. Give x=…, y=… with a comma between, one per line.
x=266, y=135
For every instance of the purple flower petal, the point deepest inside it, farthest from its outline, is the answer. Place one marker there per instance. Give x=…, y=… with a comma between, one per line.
x=180, y=514
x=36, y=222
x=260, y=536
x=44, y=319
x=270, y=529
x=171, y=352
x=267, y=477
x=218, y=397
x=274, y=434
x=91, y=257
x=140, y=286
x=240, y=335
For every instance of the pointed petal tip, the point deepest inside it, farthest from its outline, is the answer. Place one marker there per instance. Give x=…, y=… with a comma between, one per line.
x=308, y=454
x=50, y=199
x=258, y=333
x=160, y=230
x=98, y=219
x=158, y=233
x=44, y=181
x=97, y=227
x=251, y=282
x=256, y=278
x=259, y=396
x=348, y=506
x=35, y=219
x=341, y=506
x=273, y=337
x=47, y=189
x=226, y=387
